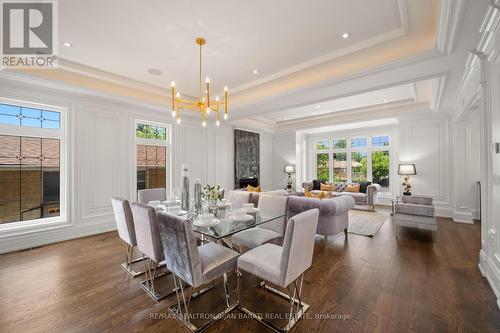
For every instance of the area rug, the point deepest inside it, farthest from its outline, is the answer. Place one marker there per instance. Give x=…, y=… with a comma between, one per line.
x=366, y=223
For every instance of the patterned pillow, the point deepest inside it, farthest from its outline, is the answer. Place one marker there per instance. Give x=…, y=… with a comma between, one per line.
x=340, y=187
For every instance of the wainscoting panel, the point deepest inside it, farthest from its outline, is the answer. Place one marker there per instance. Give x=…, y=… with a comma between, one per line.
x=102, y=175
x=426, y=143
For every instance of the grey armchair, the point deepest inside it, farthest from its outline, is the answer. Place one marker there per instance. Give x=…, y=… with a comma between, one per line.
x=415, y=212
x=271, y=232
x=284, y=266
x=151, y=194
x=149, y=243
x=195, y=265
x=125, y=226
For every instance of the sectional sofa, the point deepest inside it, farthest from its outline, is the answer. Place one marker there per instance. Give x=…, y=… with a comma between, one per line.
x=366, y=199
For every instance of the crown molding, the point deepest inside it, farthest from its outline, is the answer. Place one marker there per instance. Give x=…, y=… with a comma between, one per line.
x=23, y=80
x=263, y=104
x=469, y=87
x=438, y=89
x=450, y=18
x=356, y=115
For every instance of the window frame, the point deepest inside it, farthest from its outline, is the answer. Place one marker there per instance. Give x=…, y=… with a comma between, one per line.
x=167, y=143
x=62, y=135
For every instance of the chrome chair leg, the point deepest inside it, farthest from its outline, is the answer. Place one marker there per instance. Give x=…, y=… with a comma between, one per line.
x=184, y=316
x=127, y=265
x=148, y=284
x=297, y=307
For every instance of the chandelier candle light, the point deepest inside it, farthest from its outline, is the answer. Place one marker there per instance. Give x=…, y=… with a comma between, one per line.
x=203, y=105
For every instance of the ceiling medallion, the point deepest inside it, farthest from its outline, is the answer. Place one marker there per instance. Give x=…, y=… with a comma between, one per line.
x=203, y=105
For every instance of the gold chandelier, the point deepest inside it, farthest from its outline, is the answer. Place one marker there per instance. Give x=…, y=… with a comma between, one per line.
x=203, y=105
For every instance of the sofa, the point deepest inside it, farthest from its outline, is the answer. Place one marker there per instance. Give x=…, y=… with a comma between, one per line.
x=366, y=199
x=333, y=212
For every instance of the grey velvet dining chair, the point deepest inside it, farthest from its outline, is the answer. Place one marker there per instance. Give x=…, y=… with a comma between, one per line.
x=126, y=231
x=194, y=265
x=238, y=198
x=284, y=266
x=270, y=232
x=149, y=243
x=151, y=194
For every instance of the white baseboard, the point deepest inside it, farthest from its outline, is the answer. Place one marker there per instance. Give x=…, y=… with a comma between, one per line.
x=491, y=273
x=82, y=229
x=463, y=216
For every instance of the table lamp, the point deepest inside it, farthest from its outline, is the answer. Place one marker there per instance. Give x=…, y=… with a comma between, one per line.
x=289, y=169
x=407, y=170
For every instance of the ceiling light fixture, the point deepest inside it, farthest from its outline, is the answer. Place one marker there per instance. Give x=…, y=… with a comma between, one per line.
x=386, y=100
x=155, y=71
x=346, y=35
x=202, y=105
x=68, y=44
x=318, y=106
x=255, y=71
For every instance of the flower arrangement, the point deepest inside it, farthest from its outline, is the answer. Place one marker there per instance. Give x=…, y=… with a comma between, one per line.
x=212, y=193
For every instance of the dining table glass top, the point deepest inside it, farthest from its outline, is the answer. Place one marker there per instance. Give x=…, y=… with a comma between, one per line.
x=228, y=223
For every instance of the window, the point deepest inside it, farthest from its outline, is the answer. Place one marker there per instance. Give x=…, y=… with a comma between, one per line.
x=354, y=160
x=151, y=156
x=151, y=132
x=380, y=141
x=358, y=167
x=339, y=167
x=323, y=167
x=320, y=145
x=30, y=164
x=380, y=168
x=29, y=117
x=339, y=144
x=359, y=142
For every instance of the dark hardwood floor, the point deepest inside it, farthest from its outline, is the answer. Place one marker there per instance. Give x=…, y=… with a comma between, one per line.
x=377, y=284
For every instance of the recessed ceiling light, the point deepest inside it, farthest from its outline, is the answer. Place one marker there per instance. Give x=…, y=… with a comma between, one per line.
x=68, y=44
x=154, y=71
x=346, y=35
x=385, y=100
x=255, y=71
x=318, y=106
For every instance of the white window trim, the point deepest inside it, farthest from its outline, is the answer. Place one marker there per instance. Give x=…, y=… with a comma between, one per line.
x=153, y=142
x=21, y=227
x=368, y=149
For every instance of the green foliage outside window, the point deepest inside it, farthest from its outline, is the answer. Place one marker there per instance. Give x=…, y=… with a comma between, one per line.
x=322, y=167
x=151, y=132
x=359, y=169
x=380, y=168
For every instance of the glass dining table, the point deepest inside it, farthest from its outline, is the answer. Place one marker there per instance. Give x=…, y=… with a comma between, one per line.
x=228, y=224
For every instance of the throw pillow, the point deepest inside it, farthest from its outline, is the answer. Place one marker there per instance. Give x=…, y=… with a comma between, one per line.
x=363, y=186
x=353, y=188
x=316, y=185
x=320, y=195
x=250, y=188
x=325, y=187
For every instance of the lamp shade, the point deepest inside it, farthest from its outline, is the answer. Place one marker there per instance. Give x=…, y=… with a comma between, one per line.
x=289, y=169
x=407, y=169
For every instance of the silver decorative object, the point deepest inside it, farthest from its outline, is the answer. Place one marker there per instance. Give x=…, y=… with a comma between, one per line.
x=197, y=195
x=185, y=188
